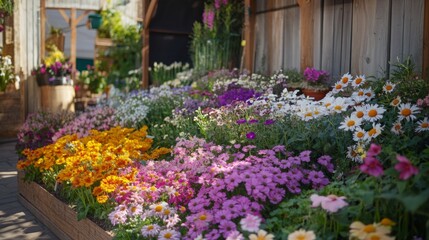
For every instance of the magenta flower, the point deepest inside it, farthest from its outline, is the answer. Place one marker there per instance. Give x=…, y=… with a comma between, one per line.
x=405, y=168
x=241, y=121
x=251, y=121
x=208, y=18
x=372, y=166
x=250, y=135
x=269, y=122
x=330, y=203
x=374, y=150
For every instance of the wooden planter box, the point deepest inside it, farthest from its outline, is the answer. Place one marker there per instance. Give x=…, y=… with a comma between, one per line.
x=56, y=215
x=57, y=98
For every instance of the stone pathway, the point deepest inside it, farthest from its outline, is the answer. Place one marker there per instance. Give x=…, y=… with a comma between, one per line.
x=16, y=222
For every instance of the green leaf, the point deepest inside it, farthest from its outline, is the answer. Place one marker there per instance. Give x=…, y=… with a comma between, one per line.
x=414, y=202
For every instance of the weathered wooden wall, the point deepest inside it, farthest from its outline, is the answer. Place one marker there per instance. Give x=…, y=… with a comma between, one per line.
x=356, y=36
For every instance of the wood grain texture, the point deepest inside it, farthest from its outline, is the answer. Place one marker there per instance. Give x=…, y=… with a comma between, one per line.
x=425, y=65
x=370, y=35
x=291, y=38
x=306, y=32
x=261, y=63
x=249, y=33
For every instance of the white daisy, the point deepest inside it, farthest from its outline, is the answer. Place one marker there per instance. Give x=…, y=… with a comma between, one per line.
x=345, y=79
x=407, y=111
x=369, y=93
x=158, y=208
x=397, y=128
x=327, y=102
x=373, y=112
x=340, y=105
x=423, y=125
x=395, y=102
x=150, y=230
x=358, y=81
x=359, y=135
x=350, y=123
x=359, y=112
x=169, y=234
x=338, y=87
x=388, y=87
x=375, y=131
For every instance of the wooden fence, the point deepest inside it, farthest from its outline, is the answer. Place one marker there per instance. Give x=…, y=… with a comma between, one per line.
x=356, y=36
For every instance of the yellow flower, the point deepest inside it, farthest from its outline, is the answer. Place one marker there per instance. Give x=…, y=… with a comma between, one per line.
x=261, y=235
x=102, y=198
x=362, y=231
x=302, y=235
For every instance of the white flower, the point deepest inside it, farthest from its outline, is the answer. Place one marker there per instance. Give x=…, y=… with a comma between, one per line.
x=169, y=234
x=353, y=153
x=340, y=105
x=423, y=125
x=358, y=81
x=397, y=128
x=150, y=230
x=345, y=79
x=302, y=235
x=407, y=111
x=359, y=135
x=359, y=112
x=350, y=123
x=374, y=112
x=338, y=87
x=388, y=87
x=375, y=131
x=395, y=102
x=250, y=223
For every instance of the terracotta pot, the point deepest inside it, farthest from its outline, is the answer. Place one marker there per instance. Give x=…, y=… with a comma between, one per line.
x=317, y=95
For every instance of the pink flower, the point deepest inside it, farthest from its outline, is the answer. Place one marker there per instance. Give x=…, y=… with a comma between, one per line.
x=405, y=168
x=250, y=223
x=330, y=203
x=374, y=150
x=372, y=166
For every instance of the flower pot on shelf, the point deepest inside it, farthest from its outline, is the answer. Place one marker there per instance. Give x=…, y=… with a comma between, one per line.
x=57, y=98
x=316, y=94
x=42, y=79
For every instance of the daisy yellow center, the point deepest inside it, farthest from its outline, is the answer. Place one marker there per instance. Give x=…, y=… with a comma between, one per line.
x=369, y=228
x=359, y=114
x=389, y=87
x=358, y=80
x=351, y=123
x=360, y=134
x=345, y=80
x=263, y=238
x=168, y=235
x=424, y=125
x=387, y=222
x=167, y=212
x=360, y=93
x=338, y=107
x=203, y=217
x=406, y=112
x=395, y=101
x=158, y=208
x=372, y=113
x=301, y=237
x=150, y=227
x=375, y=237
x=327, y=104
x=309, y=114
x=372, y=132
x=153, y=189
x=368, y=94
x=133, y=209
x=338, y=86
x=316, y=112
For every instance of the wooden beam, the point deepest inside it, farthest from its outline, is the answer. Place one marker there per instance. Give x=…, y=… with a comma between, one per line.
x=306, y=27
x=148, y=10
x=42, y=29
x=84, y=14
x=64, y=15
x=425, y=65
x=249, y=33
x=73, y=24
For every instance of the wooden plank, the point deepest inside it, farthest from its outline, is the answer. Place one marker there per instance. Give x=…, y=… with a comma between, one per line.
x=249, y=33
x=397, y=31
x=337, y=39
x=346, y=39
x=291, y=37
x=425, y=60
x=42, y=28
x=327, y=51
x=73, y=37
x=317, y=33
x=64, y=15
x=276, y=45
x=148, y=12
x=413, y=31
x=261, y=39
x=306, y=29
x=370, y=37
x=82, y=16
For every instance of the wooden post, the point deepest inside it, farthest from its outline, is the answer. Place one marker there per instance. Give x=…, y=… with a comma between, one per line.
x=42, y=28
x=306, y=27
x=249, y=35
x=425, y=65
x=73, y=39
x=148, y=12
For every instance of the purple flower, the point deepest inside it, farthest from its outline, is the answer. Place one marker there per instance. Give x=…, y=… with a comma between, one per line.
x=314, y=76
x=251, y=121
x=241, y=121
x=250, y=135
x=226, y=227
x=269, y=122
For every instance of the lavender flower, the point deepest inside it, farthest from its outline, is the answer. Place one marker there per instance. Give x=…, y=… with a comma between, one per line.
x=250, y=135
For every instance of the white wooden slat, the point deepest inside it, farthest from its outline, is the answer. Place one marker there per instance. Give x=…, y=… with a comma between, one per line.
x=317, y=33
x=397, y=31
x=337, y=26
x=291, y=38
x=370, y=35
x=260, y=40
x=328, y=36
x=413, y=31
x=346, y=40
x=276, y=31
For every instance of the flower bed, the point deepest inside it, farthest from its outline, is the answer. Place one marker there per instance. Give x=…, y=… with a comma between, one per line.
x=250, y=160
x=60, y=218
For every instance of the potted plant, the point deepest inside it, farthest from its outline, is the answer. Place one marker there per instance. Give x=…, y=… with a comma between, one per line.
x=94, y=21
x=315, y=83
x=7, y=75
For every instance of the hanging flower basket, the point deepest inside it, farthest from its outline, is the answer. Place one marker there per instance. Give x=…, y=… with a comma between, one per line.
x=94, y=21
